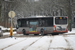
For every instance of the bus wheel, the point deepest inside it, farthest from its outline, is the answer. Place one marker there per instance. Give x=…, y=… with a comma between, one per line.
x=23, y=31
x=36, y=34
x=45, y=34
x=42, y=32
x=26, y=34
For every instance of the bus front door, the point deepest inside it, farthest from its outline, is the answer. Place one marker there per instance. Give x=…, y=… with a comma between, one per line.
x=33, y=27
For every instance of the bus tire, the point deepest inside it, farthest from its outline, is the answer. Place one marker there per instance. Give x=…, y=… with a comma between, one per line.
x=45, y=34
x=24, y=32
x=36, y=34
x=42, y=32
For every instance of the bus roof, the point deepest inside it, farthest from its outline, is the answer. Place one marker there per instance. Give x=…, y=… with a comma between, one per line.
x=41, y=17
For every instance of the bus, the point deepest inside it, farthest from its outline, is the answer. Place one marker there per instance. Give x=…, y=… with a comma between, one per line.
x=42, y=25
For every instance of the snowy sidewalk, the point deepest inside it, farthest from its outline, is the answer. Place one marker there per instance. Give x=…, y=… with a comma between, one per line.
x=71, y=32
x=8, y=33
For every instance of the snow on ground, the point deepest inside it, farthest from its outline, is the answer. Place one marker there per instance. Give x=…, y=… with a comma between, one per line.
x=8, y=33
x=71, y=39
x=37, y=43
x=3, y=28
x=58, y=41
x=73, y=30
x=42, y=44
x=22, y=44
x=8, y=41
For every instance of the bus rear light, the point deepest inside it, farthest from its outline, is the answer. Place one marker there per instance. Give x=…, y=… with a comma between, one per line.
x=54, y=27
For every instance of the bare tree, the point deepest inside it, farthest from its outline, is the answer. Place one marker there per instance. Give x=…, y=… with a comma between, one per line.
x=25, y=8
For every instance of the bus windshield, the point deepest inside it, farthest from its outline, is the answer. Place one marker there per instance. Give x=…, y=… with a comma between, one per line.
x=61, y=20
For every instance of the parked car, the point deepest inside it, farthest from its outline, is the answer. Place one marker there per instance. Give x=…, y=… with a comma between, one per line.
x=1, y=33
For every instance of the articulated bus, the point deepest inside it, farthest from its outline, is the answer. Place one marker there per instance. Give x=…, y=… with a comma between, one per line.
x=42, y=25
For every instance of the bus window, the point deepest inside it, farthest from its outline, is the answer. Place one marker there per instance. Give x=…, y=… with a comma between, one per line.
x=22, y=23
x=33, y=23
x=46, y=22
x=59, y=20
x=27, y=22
x=19, y=23
x=49, y=22
x=42, y=22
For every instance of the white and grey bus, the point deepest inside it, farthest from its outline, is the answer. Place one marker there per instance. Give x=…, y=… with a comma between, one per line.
x=42, y=25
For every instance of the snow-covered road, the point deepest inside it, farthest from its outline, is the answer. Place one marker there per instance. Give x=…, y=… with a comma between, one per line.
x=56, y=42
x=64, y=41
